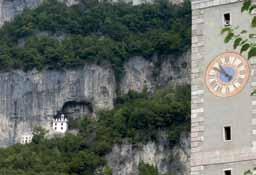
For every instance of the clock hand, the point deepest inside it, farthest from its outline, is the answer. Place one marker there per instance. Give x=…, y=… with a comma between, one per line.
x=220, y=71
x=225, y=73
x=217, y=69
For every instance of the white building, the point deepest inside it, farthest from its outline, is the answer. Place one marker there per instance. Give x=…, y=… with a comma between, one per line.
x=60, y=125
x=26, y=138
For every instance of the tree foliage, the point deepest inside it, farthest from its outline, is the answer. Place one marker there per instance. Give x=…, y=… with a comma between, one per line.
x=145, y=169
x=55, y=36
x=137, y=120
x=242, y=38
x=250, y=172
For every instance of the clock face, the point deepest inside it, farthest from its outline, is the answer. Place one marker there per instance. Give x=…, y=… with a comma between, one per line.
x=227, y=74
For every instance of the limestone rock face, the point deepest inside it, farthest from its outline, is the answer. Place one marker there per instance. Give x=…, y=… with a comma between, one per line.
x=138, y=74
x=70, y=2
x=124, y=159
x=10, y=8
x=175, y=69
x=34, y=98
x=141, y=73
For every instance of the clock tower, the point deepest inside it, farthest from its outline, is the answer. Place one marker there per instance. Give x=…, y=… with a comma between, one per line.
x=223, y=113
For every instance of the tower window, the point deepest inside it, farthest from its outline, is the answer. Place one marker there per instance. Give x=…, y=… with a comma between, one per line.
x=227, y=172
x=227, y=133
x=227, y=19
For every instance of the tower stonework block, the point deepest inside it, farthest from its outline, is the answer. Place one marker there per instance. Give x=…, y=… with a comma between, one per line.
x=223, y=127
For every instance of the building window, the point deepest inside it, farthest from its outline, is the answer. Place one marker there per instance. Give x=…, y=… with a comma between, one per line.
x=227, y=133
x=61, y=124
x=61, y=128
x=227, y=19
x=228, y=172
x=55, y=128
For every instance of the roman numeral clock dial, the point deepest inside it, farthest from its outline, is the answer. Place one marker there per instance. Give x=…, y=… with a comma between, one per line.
x=227, y=74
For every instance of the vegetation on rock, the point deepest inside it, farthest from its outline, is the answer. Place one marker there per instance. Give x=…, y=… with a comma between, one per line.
x=145, y=169
x=136, y=118
x=55, y=36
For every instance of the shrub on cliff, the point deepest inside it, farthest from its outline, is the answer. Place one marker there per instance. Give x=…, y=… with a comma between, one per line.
x=145, y=169
x=137, y=120
x=55, y=36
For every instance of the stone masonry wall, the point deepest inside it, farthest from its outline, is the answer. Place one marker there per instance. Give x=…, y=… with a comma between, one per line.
x=197, y=94
x=199, y=160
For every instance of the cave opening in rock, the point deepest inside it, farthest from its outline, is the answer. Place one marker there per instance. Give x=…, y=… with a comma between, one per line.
x=76, y=109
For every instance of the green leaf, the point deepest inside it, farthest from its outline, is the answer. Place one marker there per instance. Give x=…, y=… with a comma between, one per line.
x=252, y=35
x=228, y=37
x=226, y=29
x=237, y=42
x=253, y=24
x=246, y=5
x=243, y=42
x=249, y=172
x=252, y=8
x=243, y=32
x=252, y=52
x=253, y=92
x=245, y=47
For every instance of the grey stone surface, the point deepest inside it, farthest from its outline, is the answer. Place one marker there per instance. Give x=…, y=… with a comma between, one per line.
x=200, y=4
x=210, y=154
x=124, y=159
x=38, y=96
x=10, y=8
x=140, y=73
x=224, y=111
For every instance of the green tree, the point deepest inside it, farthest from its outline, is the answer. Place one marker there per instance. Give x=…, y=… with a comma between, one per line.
x=38, y=135
x=54, y=36
x=85, y=152
x=145, y=169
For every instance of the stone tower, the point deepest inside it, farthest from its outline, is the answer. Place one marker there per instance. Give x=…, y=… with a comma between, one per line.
x=223, y=129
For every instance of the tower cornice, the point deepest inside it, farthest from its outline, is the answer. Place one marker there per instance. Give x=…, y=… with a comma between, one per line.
x=200, y=4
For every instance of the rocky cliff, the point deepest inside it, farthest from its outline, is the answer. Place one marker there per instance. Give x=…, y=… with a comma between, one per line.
x=35, y=98
x=10, y=8
x=124, y=159
x=29, y=99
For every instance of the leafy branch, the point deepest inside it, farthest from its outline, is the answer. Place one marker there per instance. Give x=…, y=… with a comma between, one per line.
x=243, y=39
